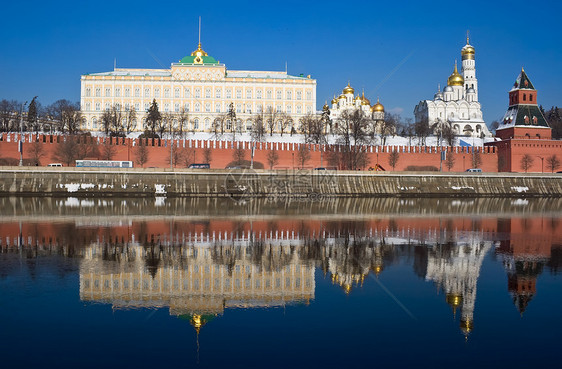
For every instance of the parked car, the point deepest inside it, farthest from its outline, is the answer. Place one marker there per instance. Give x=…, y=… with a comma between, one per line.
x=54, y=165
x=474, y=170
x=200, y=166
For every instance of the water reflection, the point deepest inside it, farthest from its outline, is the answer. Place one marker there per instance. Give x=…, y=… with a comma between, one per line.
x=133, y=254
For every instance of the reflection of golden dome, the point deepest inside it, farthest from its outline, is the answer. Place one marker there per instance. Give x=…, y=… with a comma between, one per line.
x=197, y=322
x=378, y=269
x=348, y=90
x=199, y=51
x=455, y=79
x=454, y=300
x=466, y=326
x=378, y=107
x=347, y=288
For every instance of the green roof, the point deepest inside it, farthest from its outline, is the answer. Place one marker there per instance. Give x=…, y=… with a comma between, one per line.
x=531, y=112
x=523, y=81
x=191, y=60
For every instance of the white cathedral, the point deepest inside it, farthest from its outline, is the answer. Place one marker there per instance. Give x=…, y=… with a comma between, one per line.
x=458, y=104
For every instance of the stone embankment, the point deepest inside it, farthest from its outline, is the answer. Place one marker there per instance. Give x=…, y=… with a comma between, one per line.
x=40, y=181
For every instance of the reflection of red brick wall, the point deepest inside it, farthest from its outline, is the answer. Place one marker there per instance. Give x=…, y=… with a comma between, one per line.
x=222, y=153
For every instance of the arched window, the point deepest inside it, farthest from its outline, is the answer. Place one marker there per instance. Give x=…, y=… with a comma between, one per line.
x=524, y=97
x=196, y=124
x=530, y=97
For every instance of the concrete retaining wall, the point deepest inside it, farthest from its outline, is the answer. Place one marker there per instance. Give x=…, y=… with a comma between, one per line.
x=239, y=183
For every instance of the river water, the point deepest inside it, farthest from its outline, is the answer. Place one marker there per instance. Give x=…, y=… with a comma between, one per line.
x=147, y=282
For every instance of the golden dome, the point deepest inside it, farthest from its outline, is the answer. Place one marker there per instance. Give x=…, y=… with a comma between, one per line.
x=364, y=100
x=455, y=79
x=199, y=52
x=357, y=98
x=334, y=101
x=348, y=90
x=467, y=51
x=378, y=106
x=341, y=97
x=325, y=107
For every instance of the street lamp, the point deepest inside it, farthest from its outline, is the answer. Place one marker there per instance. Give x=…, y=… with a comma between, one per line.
x=20, y=145
x=542, y=163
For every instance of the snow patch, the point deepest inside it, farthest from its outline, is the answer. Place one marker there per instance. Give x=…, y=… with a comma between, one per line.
x=160, y=188
x=407, y=188
x=520, y=188
x=462, y=187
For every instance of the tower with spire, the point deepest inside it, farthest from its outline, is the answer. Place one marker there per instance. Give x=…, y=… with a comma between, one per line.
x=457, y=105
x=523, y=118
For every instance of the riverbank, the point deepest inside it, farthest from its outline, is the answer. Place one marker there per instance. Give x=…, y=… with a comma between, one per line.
x=309, y=184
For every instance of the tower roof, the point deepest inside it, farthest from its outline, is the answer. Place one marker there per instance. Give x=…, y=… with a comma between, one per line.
x=523, y=82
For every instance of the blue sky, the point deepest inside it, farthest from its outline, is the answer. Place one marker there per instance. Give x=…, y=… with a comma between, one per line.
x=46, y=46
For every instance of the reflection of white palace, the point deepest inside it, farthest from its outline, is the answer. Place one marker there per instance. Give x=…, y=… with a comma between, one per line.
x=195, y=279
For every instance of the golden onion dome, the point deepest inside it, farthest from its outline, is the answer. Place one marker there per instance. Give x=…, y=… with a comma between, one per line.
x=199, y=52
x=378, y=107
x=325, y=107
x=348, y=90
x=468, y=51
x=364, y=100
x=455, y=79
x=357, y=98
x=341, y=97
x=334, y=101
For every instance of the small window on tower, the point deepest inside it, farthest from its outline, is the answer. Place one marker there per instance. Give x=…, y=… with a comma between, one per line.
x=524, y=97
x=530, y=97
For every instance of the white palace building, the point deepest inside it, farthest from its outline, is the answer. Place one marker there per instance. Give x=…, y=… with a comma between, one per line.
x=200, y=86
x=457, y=105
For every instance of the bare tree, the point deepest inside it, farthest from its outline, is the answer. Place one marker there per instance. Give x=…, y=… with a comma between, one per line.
x=188, y=156
x=312, y=128
x=450, y=161
x=526, y=162
x=393, y=158
x=112, y=122
x=353, y=135
x=36, y=151
x=272, y=158
x=388, y=126
x=476, y=158
x=239, y=155
x=271, y=116
x=284, y=121
x=75, y=148
x=552, y=163
x=258, y=128
x=66, y=116
x=108, y=151
x=141, y=154
x=130, y=120
x=183, y=120
x=303, y=155
x=208, y=155
x=9, y=118
x=422, y=130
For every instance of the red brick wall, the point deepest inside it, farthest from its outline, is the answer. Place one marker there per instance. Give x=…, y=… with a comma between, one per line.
x=223, y=151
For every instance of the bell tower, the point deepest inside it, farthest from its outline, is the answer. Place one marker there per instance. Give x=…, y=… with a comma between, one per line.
x=469, y=67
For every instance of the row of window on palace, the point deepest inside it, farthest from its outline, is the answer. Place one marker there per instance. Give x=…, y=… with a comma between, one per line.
x=207, y=107
x=154, y=284
x=198, y=93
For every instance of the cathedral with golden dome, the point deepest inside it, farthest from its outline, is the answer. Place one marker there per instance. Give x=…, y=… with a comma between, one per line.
x=347, y=100
x=457, y=105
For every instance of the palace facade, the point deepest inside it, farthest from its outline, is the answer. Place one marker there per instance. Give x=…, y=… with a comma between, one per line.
x=199, y=86
x=457, y=105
